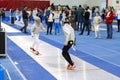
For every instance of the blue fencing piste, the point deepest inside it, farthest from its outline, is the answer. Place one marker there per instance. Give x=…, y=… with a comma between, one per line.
x=1, y=73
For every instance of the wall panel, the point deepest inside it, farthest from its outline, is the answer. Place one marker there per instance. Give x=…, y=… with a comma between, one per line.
x=13, y=4
x=69, y=2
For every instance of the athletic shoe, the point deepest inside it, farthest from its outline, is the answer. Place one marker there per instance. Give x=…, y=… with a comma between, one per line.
x=68, y=66
x=32, y=49
x=71, y=67
x=37, y=53
x=74, y=66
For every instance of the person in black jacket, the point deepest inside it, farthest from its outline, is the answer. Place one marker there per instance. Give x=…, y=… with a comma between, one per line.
x=25, y=17
x=86, y=22
x=79, y=16
x=0, y=18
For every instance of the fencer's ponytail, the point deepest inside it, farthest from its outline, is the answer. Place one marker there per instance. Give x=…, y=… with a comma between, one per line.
x=67, y=21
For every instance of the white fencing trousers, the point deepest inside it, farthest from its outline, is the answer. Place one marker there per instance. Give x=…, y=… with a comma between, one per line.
x=35, y=44
x=97, y=31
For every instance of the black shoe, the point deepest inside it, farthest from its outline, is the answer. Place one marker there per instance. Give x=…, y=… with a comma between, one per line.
x=88, y=34
x=109, y=37
x=80, y=34
x=25, y=32
x=21, y=29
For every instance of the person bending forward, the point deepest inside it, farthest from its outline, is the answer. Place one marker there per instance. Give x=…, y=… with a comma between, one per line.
x=69, y=41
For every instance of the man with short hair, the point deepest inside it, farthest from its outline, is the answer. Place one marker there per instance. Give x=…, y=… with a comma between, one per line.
x=25, y=16
x=86, y=22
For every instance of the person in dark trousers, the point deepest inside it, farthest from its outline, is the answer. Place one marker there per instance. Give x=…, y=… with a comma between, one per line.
x=69, y=41
x=25, y=17
x=49, y=22
x=0, y=18
x=109, y=16
x=3, y=12
x=79, y=16
x=118, y=20
x=86, y=22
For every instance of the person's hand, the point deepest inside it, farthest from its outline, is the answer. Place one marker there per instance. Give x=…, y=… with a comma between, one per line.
x=66, y=43
x=44, y=30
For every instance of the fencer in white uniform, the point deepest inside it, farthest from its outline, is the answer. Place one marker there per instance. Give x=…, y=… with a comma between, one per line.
x=36, y=28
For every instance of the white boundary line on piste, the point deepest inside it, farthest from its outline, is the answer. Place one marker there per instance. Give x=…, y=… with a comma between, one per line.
x=21, y=74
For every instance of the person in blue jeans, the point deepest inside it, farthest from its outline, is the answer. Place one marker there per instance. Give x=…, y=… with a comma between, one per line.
x=57, y=21
x=79, y=15
x=109, y=16
x=49, y=21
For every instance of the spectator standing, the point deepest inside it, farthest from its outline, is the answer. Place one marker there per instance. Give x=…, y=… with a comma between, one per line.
x=79, y=16
x=118, y=20
x=109, y=16
x=49, y=21
x=56, y=21
x=25, y=17
x=96, y=22
x=86, y=22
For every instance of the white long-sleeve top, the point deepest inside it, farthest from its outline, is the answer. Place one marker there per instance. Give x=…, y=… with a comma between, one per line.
x=90, y=17
x=118, y=14
x=68, y=32
x=50, y=18
x=34, y=13
x=56, y=17
x=97, y=20
x=63, y=16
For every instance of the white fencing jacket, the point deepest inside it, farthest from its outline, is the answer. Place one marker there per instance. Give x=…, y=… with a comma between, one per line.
x=37, y=27
x=68, y=32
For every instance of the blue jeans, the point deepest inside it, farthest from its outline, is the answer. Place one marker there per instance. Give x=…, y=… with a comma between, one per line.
x=57, y=27
x=109, y=30
x=80, y=23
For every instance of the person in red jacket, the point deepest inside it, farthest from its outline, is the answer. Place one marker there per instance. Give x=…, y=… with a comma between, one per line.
x=109, y=16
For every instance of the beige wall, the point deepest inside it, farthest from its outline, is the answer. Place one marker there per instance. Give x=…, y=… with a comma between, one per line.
x=114, y=4
x=90, y=3
x=94, y=3
x=68, y=2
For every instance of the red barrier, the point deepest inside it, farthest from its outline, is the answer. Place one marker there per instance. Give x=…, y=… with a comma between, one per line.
x=13, y=4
